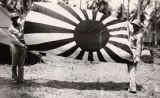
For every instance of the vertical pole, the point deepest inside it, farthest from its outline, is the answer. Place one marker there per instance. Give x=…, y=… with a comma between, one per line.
x=155, y=31
x=139, y=10
x=128, y=10
x=22, y=5
x=123, y=10
x=80, y=4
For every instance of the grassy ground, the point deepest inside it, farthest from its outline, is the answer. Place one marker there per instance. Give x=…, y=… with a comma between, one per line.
x=62, y=77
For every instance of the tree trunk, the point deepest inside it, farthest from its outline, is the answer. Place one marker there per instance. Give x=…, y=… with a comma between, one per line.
x=80, y=4
x=123, y=10
x=128, y=15
x=156, y=39
x=139, y=10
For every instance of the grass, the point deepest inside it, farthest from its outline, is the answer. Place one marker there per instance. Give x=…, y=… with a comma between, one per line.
x=65, y=77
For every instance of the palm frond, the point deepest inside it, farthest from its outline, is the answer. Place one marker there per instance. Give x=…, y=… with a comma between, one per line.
x=154, y=21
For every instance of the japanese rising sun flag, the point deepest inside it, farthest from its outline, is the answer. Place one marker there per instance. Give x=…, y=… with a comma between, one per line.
x=76, y=33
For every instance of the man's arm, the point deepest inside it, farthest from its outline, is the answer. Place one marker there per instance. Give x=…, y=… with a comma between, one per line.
x=15, y=39
x=138, y=47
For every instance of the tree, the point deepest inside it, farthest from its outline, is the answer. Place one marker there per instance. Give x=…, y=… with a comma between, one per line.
x=154, y=22
x=121, y=13
x=104, y=7
x=140, y=12
x=10, y=5
x=26, y=5
x=101, y=6
x=142, y=16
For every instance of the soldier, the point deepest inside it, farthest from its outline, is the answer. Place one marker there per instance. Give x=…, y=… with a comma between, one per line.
x=136, y=46
x=136, y=40
x=18, y=48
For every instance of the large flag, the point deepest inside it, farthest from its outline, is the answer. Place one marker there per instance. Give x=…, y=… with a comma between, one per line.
x=76, y=33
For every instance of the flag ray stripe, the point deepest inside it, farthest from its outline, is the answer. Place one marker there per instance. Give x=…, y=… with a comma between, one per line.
x=119, y=52
x=85, y=14
x=103, y=17
x=95, y=56
x=118, y=29
x=120, y=40
x=120, y=36
x=113, y=21
x=75, y=54
x=64, y=48
x=69, y=9
x=37, y=38
x=90, y=56
x=100, y=56
x=47, y=20
x=80, y=55
x=79, y=12
x=69, y=52
x=99, y=16
x=109, y=20
x=85, y=56
x=60, y=10
x=122, y=46
x=118, y=25
x=106, y=56
x=90, y=15
x=123, y=32
x=115, y=57
x=32, y=27
x=50, y=12
x=50, y=45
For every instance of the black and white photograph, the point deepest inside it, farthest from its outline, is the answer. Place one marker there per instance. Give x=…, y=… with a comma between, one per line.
x=79, y=48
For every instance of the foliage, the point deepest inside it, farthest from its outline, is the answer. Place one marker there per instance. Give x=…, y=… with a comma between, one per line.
x=19, y=6
x=154, y=21
x=135, y=13
x=121, y=13
x=101, y=6
x=144, y=4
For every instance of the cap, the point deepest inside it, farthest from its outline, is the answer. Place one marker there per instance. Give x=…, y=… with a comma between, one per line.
x=137, y=22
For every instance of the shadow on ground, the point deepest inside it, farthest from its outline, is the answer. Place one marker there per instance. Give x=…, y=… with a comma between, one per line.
x=9, y=90
x=110, y=86
x=5, y=56
x=11, y=94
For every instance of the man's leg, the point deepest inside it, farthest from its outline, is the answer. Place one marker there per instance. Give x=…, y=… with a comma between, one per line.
x=14, y=58
x=132, y=78
x=21, y=65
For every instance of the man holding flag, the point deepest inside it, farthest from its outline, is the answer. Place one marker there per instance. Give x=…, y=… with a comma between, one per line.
x=18, y=48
